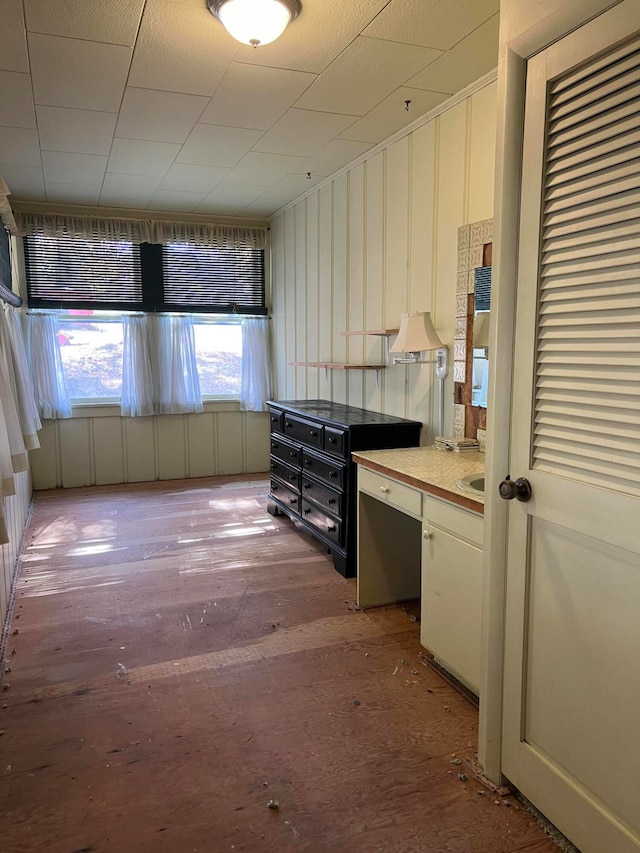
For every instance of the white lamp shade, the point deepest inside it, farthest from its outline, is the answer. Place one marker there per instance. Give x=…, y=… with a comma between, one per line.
x=416, y=334
x=254, y=22
x=481, y=329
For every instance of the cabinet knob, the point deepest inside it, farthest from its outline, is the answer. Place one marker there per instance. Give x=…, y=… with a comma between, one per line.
x=306, y=511
x=384, y=489
x=426, y=534
x=331, y=440
x=331, y=501
x=313, y=433
x=331, y=528
x=332, y=474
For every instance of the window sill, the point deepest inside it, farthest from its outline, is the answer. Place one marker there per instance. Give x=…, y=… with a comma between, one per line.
x=112, y=410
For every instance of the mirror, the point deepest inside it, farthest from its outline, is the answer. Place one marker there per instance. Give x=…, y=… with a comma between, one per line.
x=471, y=358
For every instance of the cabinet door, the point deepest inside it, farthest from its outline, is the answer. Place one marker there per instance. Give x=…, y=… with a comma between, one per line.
x=451, y=605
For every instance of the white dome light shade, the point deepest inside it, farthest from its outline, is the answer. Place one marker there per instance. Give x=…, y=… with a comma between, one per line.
x=255, y=22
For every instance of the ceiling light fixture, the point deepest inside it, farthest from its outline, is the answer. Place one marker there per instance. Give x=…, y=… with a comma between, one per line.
x=255, y=22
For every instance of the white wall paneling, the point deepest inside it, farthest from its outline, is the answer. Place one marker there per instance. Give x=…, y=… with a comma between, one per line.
x=378, y=240
x=103, y=447
x=16, y=508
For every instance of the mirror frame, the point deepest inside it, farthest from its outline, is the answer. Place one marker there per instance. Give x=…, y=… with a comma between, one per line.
x=475, y=244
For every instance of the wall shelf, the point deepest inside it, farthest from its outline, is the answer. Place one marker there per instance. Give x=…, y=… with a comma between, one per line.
x=332, y=365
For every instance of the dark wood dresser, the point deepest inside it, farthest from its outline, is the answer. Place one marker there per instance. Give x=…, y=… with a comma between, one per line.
x=313, y=479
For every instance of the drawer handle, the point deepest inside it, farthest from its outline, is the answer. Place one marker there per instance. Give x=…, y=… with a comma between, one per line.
x=313, y=433
x=426, y=534
x=288, y=424
x=306, y=511
x=307, y=486
x=332, y=474
x=293, y=453
x=274, y=487
x=384, y=489
x=331, y=501
x=331, y=528
x=332, y=441
x=274, y=445
x=293, y=478
x=308, y=463
x=293, y=500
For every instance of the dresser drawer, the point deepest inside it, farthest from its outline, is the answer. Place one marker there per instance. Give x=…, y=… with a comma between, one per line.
x=390, y=491
x=285, y=450
x=307, y=432
x=276, y=418
x=324, y=469
x=326, y=525
x=285, y=495
x=336, y=441
x=285, y=473
x=323, y=495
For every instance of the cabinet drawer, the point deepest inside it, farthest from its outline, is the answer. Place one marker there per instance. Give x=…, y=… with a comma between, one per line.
x=285, y=495
x=390, y=491
x=324, y=469
x=308, y=432
x=286, y=451
x=285, y=473
x=275, y=419
x=323, y=495
x=324, y=524
x=335, y=441
x=463, y=523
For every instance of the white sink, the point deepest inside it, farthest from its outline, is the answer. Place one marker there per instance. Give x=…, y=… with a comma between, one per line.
x=472, y=483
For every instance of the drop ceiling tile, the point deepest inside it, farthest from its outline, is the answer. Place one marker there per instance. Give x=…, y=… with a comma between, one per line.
x=139, y=157
x=260, y=207
x=128, y=190
x=83, y=74
x=390, y=116
x=263, y=169
x=171, y=200
x=13, y=38
x=181, y=48
x=290, y=187
x=19, y=145
x=302, y=132
x=25, y=182
x=474, y=56
x=321, y=32
x=60, y=167
x=115, y=22
x=333, y=156
x=188, y=178
x=213, y=145
x=72, y=193
x=158, y=116
x=16, y=100
x=228, y=198
x=431, y=23
x=253, y=96
x=77, y=131
x=367, y=71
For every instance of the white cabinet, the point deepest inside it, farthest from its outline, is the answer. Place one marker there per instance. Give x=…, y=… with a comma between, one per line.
x=451, y=587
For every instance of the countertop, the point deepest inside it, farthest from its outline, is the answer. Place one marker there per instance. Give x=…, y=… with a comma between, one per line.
x=428, y=469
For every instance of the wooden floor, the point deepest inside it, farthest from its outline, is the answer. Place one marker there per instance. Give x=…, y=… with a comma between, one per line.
x=178, y=658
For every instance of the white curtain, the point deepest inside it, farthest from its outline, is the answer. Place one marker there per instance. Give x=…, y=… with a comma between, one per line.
x=46, y=366
x=12, y=341
x=255, y=386
x=159, y=371
x=179, y=382
x=138, y=386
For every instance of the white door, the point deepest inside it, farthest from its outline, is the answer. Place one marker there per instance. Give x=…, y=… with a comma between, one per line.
x=571, y=728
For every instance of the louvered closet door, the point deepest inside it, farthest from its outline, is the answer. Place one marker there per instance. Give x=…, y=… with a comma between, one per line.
x=571, y=736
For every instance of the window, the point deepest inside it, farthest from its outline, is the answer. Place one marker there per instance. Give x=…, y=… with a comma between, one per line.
x=218, y=356
x=91, y=351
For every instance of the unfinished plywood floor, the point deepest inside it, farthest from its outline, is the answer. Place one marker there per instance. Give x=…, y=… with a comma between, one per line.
x=179, y=657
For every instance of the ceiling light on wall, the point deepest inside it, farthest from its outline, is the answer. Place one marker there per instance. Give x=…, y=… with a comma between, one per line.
x=255, y=22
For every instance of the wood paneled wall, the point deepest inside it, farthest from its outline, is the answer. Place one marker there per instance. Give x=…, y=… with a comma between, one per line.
x=98, y=447
x=377, y=241
x=16, y=508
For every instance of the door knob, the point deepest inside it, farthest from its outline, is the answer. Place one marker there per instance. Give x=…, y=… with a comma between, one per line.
x=519, y=489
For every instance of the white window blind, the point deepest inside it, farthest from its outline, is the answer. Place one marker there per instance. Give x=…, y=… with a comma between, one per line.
x=587, y=412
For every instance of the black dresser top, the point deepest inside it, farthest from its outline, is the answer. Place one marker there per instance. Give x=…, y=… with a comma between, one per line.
x=338, y=413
